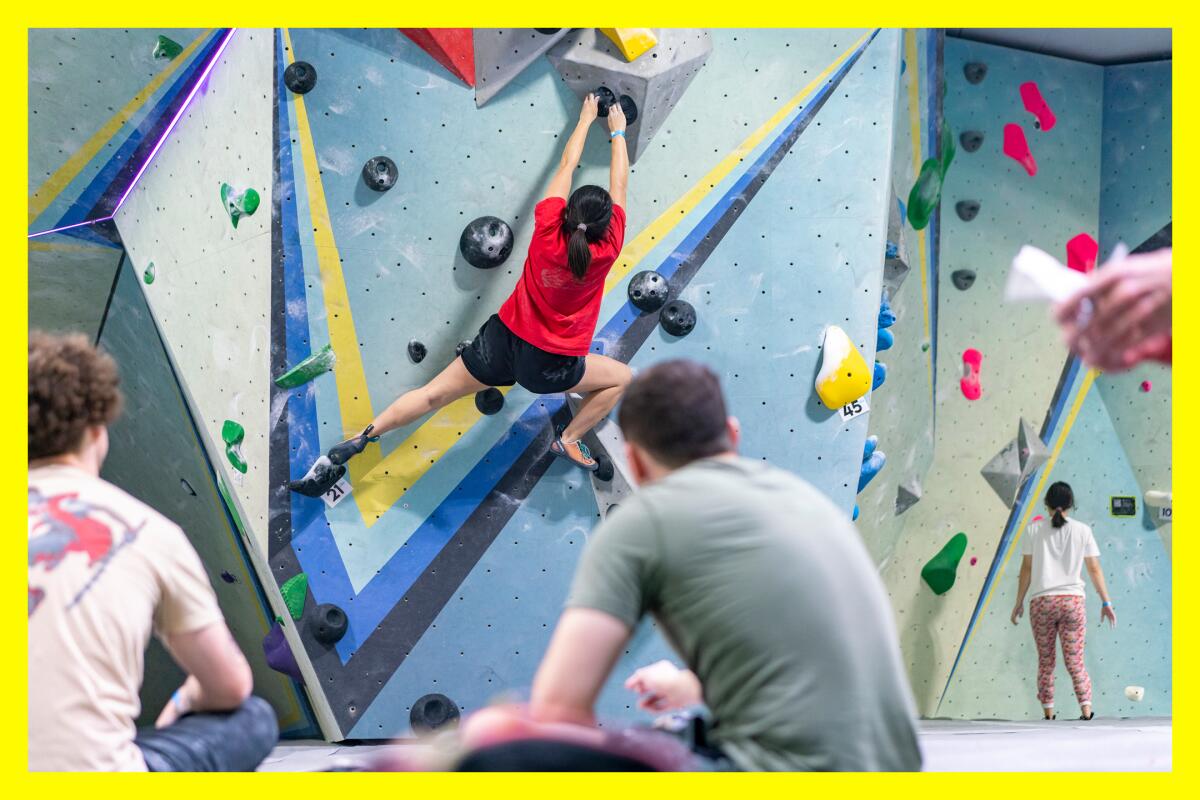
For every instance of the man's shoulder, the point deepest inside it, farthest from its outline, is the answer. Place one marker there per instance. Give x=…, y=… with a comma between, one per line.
x=94, y=495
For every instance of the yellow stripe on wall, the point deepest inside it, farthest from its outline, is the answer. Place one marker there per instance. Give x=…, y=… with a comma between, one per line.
x=914, y=121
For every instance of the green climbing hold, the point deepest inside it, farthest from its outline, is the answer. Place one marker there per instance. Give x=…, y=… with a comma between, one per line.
x=927, y=191
x=948, y=150
x=238, y=204
x=167, y=48
x=940, y=571
x=316, y=364
x=233, y=434
x=294, y=589
x=924, y=347
x=148, y=275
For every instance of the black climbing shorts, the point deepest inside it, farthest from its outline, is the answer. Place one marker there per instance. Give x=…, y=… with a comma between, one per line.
x=498, y=357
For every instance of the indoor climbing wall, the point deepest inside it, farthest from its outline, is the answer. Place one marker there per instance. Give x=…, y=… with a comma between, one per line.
x=452, y=555
x=965, y=657
x=902, y=407
x=155, y=455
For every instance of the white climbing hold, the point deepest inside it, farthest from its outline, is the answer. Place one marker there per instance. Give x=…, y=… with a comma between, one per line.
x=1135, y=693
x=844, y=374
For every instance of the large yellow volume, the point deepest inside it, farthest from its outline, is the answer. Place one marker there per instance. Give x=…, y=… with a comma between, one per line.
x=633, y=42
x=844, y=374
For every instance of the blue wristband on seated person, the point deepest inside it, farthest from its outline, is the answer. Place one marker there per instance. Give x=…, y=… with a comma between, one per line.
x=615, y=134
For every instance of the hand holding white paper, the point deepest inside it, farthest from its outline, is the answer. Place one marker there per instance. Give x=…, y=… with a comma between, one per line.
x=1038, y=277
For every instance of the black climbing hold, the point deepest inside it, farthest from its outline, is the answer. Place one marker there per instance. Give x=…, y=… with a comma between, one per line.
x=966, y=209
x=971, y=140
x=300, y=77
x=604, y=468
x=463, y=345
x=975, y=71
x=610, y=510
x=486, y=242
x=630, y=109
x=328, y=623
x=433, y=712
x=648, y=291
x=678, y=318
x=228, y=577
x=320, y=479
x=417, y=351
x=187, y=487
x=380, y=173
x=547, y=31
x=604, y=99
x=489, y=401
x=963, y=278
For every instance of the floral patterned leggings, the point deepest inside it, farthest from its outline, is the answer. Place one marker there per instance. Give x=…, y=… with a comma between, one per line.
x=1060, y=616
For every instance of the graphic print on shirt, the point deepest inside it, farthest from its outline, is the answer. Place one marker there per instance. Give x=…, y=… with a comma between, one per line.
x=64, y=524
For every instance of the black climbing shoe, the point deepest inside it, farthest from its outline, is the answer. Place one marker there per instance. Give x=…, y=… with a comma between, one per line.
x=341, y=453
x=1088, y=719
x=319, y=479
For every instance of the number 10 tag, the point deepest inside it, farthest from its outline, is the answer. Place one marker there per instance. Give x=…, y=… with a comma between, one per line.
x=337, y=493
x=855, y=408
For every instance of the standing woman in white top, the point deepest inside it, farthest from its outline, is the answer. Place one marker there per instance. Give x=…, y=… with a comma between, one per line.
x=1055, y=551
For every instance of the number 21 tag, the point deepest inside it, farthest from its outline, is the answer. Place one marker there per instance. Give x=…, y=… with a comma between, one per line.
x=337, y=493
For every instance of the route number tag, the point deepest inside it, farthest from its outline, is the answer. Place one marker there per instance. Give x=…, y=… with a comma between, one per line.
x=337, y=493
x=854, y=409
x=1164, y=513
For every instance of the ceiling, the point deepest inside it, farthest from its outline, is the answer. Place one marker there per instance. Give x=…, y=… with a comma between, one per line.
x=1095, y=45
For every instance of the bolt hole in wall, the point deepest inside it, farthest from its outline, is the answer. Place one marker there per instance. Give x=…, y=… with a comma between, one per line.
x=339, y=211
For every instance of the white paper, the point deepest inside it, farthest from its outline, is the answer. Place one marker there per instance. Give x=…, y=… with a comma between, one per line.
x=1038, y=277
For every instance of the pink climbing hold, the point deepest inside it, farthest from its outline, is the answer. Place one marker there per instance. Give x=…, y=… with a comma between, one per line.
x=1082, y=252
x=1016, y=148
x=1035, y=104
x=972, y=361
x=1038, y=517
x=1147, y=386
x=974, y=560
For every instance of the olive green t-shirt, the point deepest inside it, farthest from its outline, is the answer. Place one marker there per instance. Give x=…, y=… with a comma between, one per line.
x=766, y=591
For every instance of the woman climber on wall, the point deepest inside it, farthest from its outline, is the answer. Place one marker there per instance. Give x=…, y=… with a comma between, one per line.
x=1055, y=552
x=541, y=335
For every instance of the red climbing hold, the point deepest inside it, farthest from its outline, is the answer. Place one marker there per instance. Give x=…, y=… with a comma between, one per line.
x=1035, y=104
x=972, y=360
x=974, y=561
x=1082, y=252
x=1038, y=518
x=1147, y=386
x=1016, y=148
x=453, y=48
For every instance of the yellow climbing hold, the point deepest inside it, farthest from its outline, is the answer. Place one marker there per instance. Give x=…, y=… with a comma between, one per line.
x=844, y=374
x=632, y=42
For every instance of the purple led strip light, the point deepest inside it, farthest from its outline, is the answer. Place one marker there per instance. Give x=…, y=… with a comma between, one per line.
x=157, y=146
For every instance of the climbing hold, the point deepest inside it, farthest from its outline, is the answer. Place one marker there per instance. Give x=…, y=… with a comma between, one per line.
x=432, y=712
x=1135, y=693
x=319, y=479
x=854, y=513
x=380, y=173
x=328, y=624
x=967, y=210
x=878, y=376
x=232, y=434
x=489, y=401
x=948, y=148
x=975, y=71
x=148, y=274
x=884, y=339
x=1081, y=253
x=279, y=652
x=895, y=253
x=1016, y=148
x=1146, y=386
x=300, y=77
x=1156, y=498
x=486, y=242
x=962, y=279
x=632, y=42
x=238, y=204
x=971, y=140
x=417, y=351
x=970, y=385
x=606, y=98
x=926, y=194
x=1035, y=104
x=294, y=590
x=228, y=577
x=461, y=346
x=872, y=461
x=941, y=570
x=844, y=374
x=604, y=468
x=908, y=494
x=315, y=364
x=187, y=487
x=678, y=318
x=166, y=47
x=1008, y=470
x=887, y=317
x=924, y=347
x=974, y=561
x=547, y=31
x=648, y=291
x=453, y=48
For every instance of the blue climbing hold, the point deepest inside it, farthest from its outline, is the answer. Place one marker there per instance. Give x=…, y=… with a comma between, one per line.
x=903, y=66
x=887, y=317
x=903, y=211
x=854, y=516
x=879, y=377
x=873, y=461
x=884, y=340
x=869, y=446
x=892, y=250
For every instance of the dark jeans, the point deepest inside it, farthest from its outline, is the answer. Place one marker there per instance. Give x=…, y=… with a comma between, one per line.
x=227, y=741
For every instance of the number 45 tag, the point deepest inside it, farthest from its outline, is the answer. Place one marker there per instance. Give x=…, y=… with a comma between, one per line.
x=337, y=493
x=855, y=408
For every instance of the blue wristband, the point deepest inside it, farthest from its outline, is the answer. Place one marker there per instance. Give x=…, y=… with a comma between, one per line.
x=1106, y=604
x=615, y=134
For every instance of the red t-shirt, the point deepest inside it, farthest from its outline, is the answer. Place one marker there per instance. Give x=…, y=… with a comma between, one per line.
x=549, y=308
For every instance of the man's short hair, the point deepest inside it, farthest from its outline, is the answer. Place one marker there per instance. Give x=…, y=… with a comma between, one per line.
x=72, y=386
x=676, y=411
